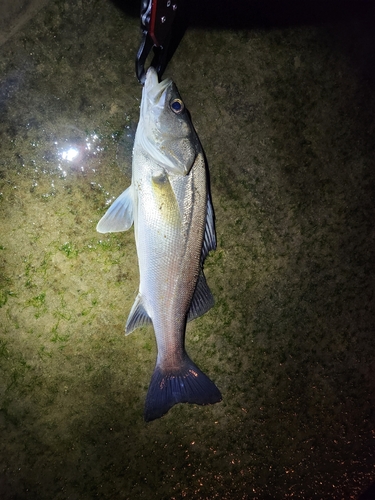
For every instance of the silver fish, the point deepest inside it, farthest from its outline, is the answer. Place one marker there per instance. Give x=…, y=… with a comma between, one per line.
x=169, y=202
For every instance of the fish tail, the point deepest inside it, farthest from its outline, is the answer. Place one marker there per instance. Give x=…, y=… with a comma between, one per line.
x=188, y=384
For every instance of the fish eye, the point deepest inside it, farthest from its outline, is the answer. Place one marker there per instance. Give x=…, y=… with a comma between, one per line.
x=177, y=106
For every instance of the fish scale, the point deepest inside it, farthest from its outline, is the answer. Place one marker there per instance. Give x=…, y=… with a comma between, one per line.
x=170, y=205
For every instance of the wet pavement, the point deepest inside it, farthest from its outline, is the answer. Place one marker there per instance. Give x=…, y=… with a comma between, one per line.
x=283, y=103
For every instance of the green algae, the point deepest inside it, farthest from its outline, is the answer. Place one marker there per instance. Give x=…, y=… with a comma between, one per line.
x=286, y=119
x=69, y=250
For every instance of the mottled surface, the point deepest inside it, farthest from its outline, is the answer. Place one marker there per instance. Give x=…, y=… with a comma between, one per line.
x=285, y=112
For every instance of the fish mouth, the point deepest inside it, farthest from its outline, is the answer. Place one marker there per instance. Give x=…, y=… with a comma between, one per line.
x=153, y=91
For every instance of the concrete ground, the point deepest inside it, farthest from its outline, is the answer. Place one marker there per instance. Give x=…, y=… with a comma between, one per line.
x=283, y=103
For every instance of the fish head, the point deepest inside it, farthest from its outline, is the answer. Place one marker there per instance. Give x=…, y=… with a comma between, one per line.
x=165, y=129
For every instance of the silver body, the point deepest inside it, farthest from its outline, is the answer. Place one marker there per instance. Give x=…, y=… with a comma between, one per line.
x=170, y=205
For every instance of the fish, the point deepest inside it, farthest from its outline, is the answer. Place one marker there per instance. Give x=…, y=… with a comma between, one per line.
x=170, y=204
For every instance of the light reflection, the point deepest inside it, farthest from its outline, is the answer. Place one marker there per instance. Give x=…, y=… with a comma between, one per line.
x=70, y=154
x=109, y=201
x=77, y=151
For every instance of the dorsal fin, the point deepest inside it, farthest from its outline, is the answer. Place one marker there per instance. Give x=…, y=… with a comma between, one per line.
x=202, y=299
x=209, y=240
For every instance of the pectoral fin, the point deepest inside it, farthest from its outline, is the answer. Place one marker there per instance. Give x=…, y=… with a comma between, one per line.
x=119, y=216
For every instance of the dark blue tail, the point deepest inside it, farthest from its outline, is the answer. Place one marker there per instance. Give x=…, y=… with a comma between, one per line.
x=187, y=385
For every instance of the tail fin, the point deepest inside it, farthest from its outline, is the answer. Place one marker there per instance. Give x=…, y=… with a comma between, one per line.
x=187, y=385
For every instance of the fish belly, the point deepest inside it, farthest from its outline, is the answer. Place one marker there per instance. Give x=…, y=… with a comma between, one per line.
x=170, y=224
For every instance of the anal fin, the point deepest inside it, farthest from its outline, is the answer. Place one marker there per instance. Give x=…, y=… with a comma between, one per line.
x=137, y=316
